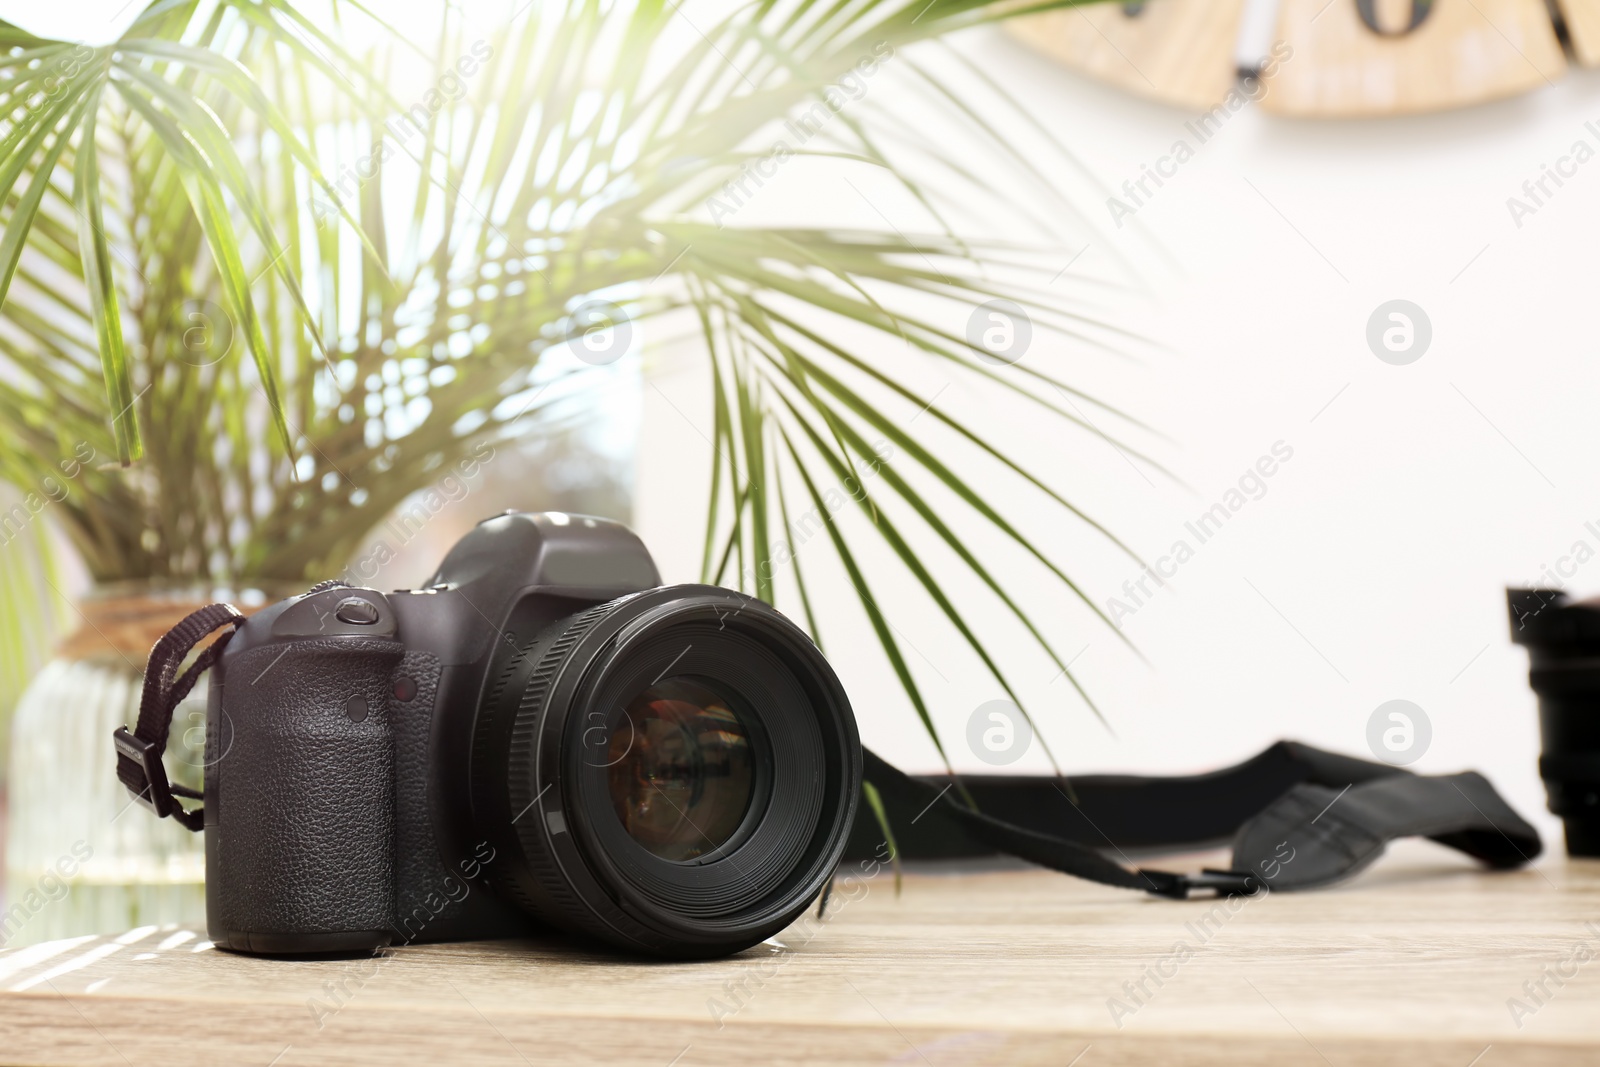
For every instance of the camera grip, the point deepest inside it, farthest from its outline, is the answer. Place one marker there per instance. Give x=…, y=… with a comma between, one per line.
x=300, y=797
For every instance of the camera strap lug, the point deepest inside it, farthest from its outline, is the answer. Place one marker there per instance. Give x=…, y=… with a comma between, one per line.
x=139, y=751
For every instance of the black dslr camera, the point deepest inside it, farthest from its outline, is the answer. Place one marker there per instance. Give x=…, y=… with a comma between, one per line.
x=545, y=734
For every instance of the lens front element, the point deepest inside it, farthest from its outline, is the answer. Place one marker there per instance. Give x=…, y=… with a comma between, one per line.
x=681, y=770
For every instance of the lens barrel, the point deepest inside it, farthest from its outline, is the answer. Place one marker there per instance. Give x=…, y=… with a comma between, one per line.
x=675, y=771
x=1563, y=641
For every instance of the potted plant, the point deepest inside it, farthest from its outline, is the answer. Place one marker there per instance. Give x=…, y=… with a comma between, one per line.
x=257, y=295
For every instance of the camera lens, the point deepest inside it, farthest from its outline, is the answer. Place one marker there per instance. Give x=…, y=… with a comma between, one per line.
x=674, y=771
x=1563, y=641
x=681, y=769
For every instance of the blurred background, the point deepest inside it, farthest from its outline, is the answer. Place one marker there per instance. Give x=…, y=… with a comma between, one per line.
x=1294, y=301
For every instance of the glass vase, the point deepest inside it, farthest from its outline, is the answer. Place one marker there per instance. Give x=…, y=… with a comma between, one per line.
x=82, y=857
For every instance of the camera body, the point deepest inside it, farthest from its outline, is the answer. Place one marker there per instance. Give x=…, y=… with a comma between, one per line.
x=543, y=736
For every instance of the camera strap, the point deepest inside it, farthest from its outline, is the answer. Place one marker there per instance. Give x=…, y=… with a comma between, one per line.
x=139, y=753
x=1298, y=817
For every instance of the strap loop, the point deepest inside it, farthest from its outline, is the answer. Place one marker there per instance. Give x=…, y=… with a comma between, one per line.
x=139, y=752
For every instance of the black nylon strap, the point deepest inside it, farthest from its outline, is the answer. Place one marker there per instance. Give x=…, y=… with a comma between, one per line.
x=1298, y=816
x=139, y=753
x=899, y=792
x=1332, y=834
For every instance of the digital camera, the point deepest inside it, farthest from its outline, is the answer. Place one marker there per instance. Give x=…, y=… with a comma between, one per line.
x=543, y=735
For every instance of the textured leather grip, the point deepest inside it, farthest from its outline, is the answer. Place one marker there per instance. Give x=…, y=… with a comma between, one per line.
x=300, y=804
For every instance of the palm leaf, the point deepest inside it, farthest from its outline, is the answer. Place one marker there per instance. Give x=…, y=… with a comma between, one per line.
x=363, y=329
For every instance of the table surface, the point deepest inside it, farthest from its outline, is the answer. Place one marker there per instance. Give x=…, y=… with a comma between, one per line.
x=1423, y=960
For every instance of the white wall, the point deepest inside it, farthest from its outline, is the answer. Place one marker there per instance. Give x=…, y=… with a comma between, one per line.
x=1373, y=566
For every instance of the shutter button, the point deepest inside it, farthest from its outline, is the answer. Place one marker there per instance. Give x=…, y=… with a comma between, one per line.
x=356, y=612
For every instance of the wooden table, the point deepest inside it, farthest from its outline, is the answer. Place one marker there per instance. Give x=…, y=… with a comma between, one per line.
x=1415, y=963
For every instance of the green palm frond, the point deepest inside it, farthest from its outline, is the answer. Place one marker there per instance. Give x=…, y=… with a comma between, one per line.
x=275, y=300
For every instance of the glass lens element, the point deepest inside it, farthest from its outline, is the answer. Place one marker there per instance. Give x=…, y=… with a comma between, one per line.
x=681, y=769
